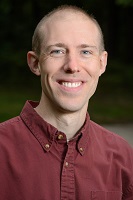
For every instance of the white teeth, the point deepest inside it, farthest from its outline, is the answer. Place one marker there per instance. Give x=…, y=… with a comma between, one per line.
x=71, y=85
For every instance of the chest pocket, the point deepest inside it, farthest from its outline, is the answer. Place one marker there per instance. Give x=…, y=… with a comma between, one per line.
x=106, y=195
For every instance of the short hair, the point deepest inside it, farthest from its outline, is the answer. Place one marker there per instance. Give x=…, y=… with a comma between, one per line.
x=38, y=37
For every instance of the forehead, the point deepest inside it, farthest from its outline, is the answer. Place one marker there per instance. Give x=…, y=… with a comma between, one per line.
x=67, y=14
x=69, y=25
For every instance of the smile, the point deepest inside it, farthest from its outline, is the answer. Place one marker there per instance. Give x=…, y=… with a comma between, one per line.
x=71, y=85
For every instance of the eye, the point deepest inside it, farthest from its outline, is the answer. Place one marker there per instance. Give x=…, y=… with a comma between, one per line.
x=57, y=53
x=86, y=53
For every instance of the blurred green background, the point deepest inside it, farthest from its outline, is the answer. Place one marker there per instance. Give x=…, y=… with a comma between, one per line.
x=113, y=100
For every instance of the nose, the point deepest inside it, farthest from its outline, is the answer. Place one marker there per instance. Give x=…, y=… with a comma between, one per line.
x=72, y=64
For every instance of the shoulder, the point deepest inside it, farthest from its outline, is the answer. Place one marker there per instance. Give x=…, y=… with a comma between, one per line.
x=9, y=123
x=112, y=145
x=9, y=133
x=110, y=141
x=116, y=150
x=10, y=128
x=102, y=132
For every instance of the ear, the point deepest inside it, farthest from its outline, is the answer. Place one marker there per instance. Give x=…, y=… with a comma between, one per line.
x=33, y=62
x=103, y=62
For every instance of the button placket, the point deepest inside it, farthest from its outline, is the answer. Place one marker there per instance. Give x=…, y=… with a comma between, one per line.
x=67, y=178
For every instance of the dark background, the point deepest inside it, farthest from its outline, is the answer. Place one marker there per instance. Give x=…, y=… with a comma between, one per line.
x=113, y=101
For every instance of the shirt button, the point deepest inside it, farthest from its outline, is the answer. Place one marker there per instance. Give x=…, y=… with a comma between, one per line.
x=81, y=149
x=60, y=137
x=47, y=146
x=66, y=164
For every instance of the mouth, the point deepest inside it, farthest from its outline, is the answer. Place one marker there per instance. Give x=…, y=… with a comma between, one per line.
x=71, y=84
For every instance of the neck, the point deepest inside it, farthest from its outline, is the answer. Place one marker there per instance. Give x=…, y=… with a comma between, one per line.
x=66, y=122
x=70, y=123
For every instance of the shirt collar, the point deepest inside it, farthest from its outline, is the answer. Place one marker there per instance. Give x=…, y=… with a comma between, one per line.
x=85, y=131
x=45, y=133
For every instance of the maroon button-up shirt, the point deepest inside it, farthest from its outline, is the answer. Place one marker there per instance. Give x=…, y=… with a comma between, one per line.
x=37, y=162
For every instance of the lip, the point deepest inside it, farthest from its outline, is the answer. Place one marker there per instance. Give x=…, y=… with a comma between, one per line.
x=70, y=85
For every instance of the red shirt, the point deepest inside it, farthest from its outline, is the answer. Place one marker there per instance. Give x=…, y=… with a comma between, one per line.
x=37, y=162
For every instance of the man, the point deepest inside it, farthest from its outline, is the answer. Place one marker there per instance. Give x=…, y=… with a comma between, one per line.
x=53, y=150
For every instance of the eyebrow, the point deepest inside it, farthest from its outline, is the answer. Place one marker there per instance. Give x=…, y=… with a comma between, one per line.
x=65, y=46
x=87, y=46
x=56, y=45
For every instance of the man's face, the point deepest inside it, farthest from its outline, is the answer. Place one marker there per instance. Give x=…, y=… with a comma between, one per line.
x=70, y=63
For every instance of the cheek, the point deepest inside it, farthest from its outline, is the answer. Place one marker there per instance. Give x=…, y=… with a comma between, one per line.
x=93, y=69
x=47, y=73
x=50, y=66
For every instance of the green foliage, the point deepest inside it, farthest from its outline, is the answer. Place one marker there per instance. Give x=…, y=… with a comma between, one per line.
x=13, y=99
x=125, y=2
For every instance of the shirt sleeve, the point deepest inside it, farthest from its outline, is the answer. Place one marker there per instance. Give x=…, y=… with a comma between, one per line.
x=128, y=192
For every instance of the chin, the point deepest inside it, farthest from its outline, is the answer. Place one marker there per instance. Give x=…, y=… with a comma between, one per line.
x=72, y=108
